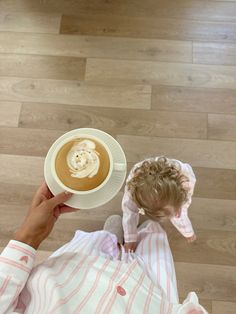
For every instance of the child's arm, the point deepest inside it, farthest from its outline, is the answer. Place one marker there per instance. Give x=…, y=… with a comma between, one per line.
x=130, y=217
x=183, y=223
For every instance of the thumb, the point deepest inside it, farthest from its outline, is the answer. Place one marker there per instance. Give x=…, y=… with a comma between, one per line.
x=59, y=199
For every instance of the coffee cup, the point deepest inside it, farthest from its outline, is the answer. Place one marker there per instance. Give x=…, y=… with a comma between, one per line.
x=73, y=154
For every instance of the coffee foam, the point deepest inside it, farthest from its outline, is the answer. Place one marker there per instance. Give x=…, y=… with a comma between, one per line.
x=83, y=159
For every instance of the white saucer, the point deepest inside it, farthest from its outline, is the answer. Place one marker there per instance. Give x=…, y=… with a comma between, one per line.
x=106, y=193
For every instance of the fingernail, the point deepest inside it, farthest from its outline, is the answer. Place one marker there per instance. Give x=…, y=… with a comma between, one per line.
x=68, y=193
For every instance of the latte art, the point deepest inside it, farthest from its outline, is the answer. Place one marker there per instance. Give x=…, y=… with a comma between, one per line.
x=82, y=164
x=83, y=160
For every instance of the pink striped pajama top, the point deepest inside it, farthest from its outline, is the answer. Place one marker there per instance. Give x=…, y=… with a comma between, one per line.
x=91, y=275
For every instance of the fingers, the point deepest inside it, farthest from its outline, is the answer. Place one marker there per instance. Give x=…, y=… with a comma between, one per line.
x=59, y=199
x=42, y=190
x=67, y=209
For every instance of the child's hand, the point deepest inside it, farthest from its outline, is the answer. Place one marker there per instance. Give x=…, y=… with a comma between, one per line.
x=130, y=247
x=192, y=238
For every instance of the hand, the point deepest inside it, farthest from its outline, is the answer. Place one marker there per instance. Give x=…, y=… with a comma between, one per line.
x=130, y=247
x=192, y=238
x=42, y=215
x=195, y=312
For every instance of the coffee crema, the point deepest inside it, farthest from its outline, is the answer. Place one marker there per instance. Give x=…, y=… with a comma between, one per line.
x=82, y=164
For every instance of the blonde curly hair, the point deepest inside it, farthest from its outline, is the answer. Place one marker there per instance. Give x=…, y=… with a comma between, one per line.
x=156, y=185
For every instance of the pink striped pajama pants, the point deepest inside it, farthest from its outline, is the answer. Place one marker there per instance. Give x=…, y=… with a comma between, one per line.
x=152, y=253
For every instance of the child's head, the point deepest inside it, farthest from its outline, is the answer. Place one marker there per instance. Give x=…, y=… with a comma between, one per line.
x=159, y=188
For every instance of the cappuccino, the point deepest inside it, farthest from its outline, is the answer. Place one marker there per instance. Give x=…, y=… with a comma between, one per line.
x=82, y=164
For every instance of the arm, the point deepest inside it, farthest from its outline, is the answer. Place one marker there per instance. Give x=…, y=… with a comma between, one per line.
x=182, y=222
x=17, y=259
x=16, y=263
x=130, y=218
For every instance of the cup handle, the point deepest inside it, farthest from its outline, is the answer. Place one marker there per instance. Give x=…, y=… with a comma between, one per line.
x=119, y=167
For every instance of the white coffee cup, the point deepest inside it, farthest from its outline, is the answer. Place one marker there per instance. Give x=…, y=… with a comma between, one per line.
x=113, y=165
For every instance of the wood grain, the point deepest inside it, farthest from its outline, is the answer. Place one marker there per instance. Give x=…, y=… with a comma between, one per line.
x=199, y=153
x=219, y=307
x=222, y=127
x=220, y=246
x=21, y=169
x=96, y=47
x=190, y=99
x=75, y=93
x=213, y=214
x=30, y=22
x=148, y=72
x=214, y=53
x=215, y=183
x=193, y=9
x=114, y=120
x=49, y=67
x=37, y=144
x=142, y=27
x=215, y=282
x=9, y=113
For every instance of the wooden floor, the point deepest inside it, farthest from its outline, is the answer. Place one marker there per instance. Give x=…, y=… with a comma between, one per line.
x=160, y=76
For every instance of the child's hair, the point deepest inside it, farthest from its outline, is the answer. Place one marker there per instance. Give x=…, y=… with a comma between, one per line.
x=157, y=184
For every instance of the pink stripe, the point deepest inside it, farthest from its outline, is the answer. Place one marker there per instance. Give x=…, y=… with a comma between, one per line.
x=132, y=296
x=122, y=281
x=85, y=300
x=63, y=267
x=4, y=285
x=106, y=293
x=75, y=291
x=148, y=300
x=15, y=264
x=18, y=248
x=71, y=276
x=18, y=290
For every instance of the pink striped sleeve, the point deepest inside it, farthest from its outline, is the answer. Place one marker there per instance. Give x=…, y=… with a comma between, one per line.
x=130, y=218
x=17, y=259
x=183, y=223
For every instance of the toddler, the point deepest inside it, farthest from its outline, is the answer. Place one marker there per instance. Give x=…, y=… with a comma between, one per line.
x=158, y=188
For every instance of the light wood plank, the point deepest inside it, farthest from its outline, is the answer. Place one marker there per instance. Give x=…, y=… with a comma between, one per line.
x=149, y=72
x=220, y=247
x=30, y=22
x=19, y=195
x=215, y=183
x=96, y=47
x=9, y=113
x=213, y=100
x=115, y=121
x=214, y=53
x=199, y=153
x=48, y=67
x=193, y=9
x=208, y=281
x=37, y=144
x=21, y=169
x=219, y=307
x=213, y=214
x=75, y=93
x=142, y=27
x=222, y=127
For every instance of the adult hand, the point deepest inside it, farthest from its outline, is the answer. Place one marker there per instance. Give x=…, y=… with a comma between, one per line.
x=130, y=246
x=42, y=215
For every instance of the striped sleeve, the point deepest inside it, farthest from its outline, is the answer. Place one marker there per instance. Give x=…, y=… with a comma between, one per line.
x=16, y=263
x=183, y=223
